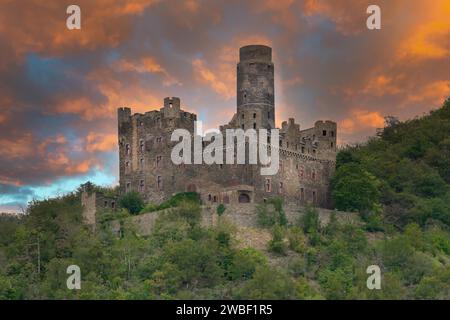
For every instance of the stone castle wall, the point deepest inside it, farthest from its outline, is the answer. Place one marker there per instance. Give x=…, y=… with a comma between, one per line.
x=307, y=156
x=242, y=215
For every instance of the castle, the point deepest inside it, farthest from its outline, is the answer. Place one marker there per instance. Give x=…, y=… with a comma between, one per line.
x=307, y=157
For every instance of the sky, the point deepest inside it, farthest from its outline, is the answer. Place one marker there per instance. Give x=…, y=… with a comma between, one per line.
x=60, y=89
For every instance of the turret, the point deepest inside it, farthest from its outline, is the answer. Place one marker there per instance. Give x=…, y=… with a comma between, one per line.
x=255, y=88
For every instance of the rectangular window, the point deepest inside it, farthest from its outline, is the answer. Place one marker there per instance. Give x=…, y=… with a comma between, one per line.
x=280, y=187
x=324, y=132
x=268, y=185
x=141, y=163
x=254, y=116
x=314, y=198
x=302, y=194
x=303, y=149
x=141, y=186
x=141, y=145
x=158, y=161
x=127, y=167
x=159, y=182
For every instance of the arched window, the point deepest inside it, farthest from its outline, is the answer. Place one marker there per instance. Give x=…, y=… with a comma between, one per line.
x=268, y=185
x=244, y=198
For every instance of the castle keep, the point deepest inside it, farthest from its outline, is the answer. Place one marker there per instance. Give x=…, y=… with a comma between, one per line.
x=307, y=157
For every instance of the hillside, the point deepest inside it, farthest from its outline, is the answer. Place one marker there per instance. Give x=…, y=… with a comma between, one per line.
x=403, y=174
x=399, y=182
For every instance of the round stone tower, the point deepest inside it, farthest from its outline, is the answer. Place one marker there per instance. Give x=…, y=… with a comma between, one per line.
x=255, y=88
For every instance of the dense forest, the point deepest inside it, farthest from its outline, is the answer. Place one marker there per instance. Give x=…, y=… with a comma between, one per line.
x=398, y=181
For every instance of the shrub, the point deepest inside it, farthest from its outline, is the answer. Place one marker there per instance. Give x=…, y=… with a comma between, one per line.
x=268, y=218
x=245, y=263
x=297, y=241
x=310, y=220
x=190, y=211
x=355, y=189
x=132, y=201
x=277, y=244
x=220, y=209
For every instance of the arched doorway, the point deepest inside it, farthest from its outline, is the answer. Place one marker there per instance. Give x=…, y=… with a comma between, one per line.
x=244, y=198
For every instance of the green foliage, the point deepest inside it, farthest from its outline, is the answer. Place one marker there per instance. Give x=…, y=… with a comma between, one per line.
x=277, y=244
x=173, y=202
x=132, y=201
x=220, y=209
x=403, y=174
x=181, y=259
x=245, y=262
x=271, y=212
x=297, y=240
x=309, y=221
x=355, y=189
x=268, y=283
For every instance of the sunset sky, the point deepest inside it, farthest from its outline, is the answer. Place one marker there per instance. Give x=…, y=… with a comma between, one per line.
x=59, y=89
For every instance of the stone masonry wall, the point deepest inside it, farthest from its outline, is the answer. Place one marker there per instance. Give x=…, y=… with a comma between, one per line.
x=242, y=215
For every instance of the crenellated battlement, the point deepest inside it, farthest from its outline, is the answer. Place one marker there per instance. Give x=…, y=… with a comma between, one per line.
x=307, y=157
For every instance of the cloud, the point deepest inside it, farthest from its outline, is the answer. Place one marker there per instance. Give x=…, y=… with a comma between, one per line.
x=101, y=142
x=60, y=89
x=206, y=76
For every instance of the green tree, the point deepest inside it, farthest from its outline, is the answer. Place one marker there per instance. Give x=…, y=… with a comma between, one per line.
x=132, y=201
x=355, y=189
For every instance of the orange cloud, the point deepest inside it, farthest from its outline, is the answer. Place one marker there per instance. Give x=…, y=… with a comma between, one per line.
x=208, y=77
x=435, y=92
x=146, y=65
x=80, y=168
x=34, y=26
x=428, y=38
x=100, y=142
x=382, y=85
x=348, y=15
x=360, y=120
x=20, y=147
